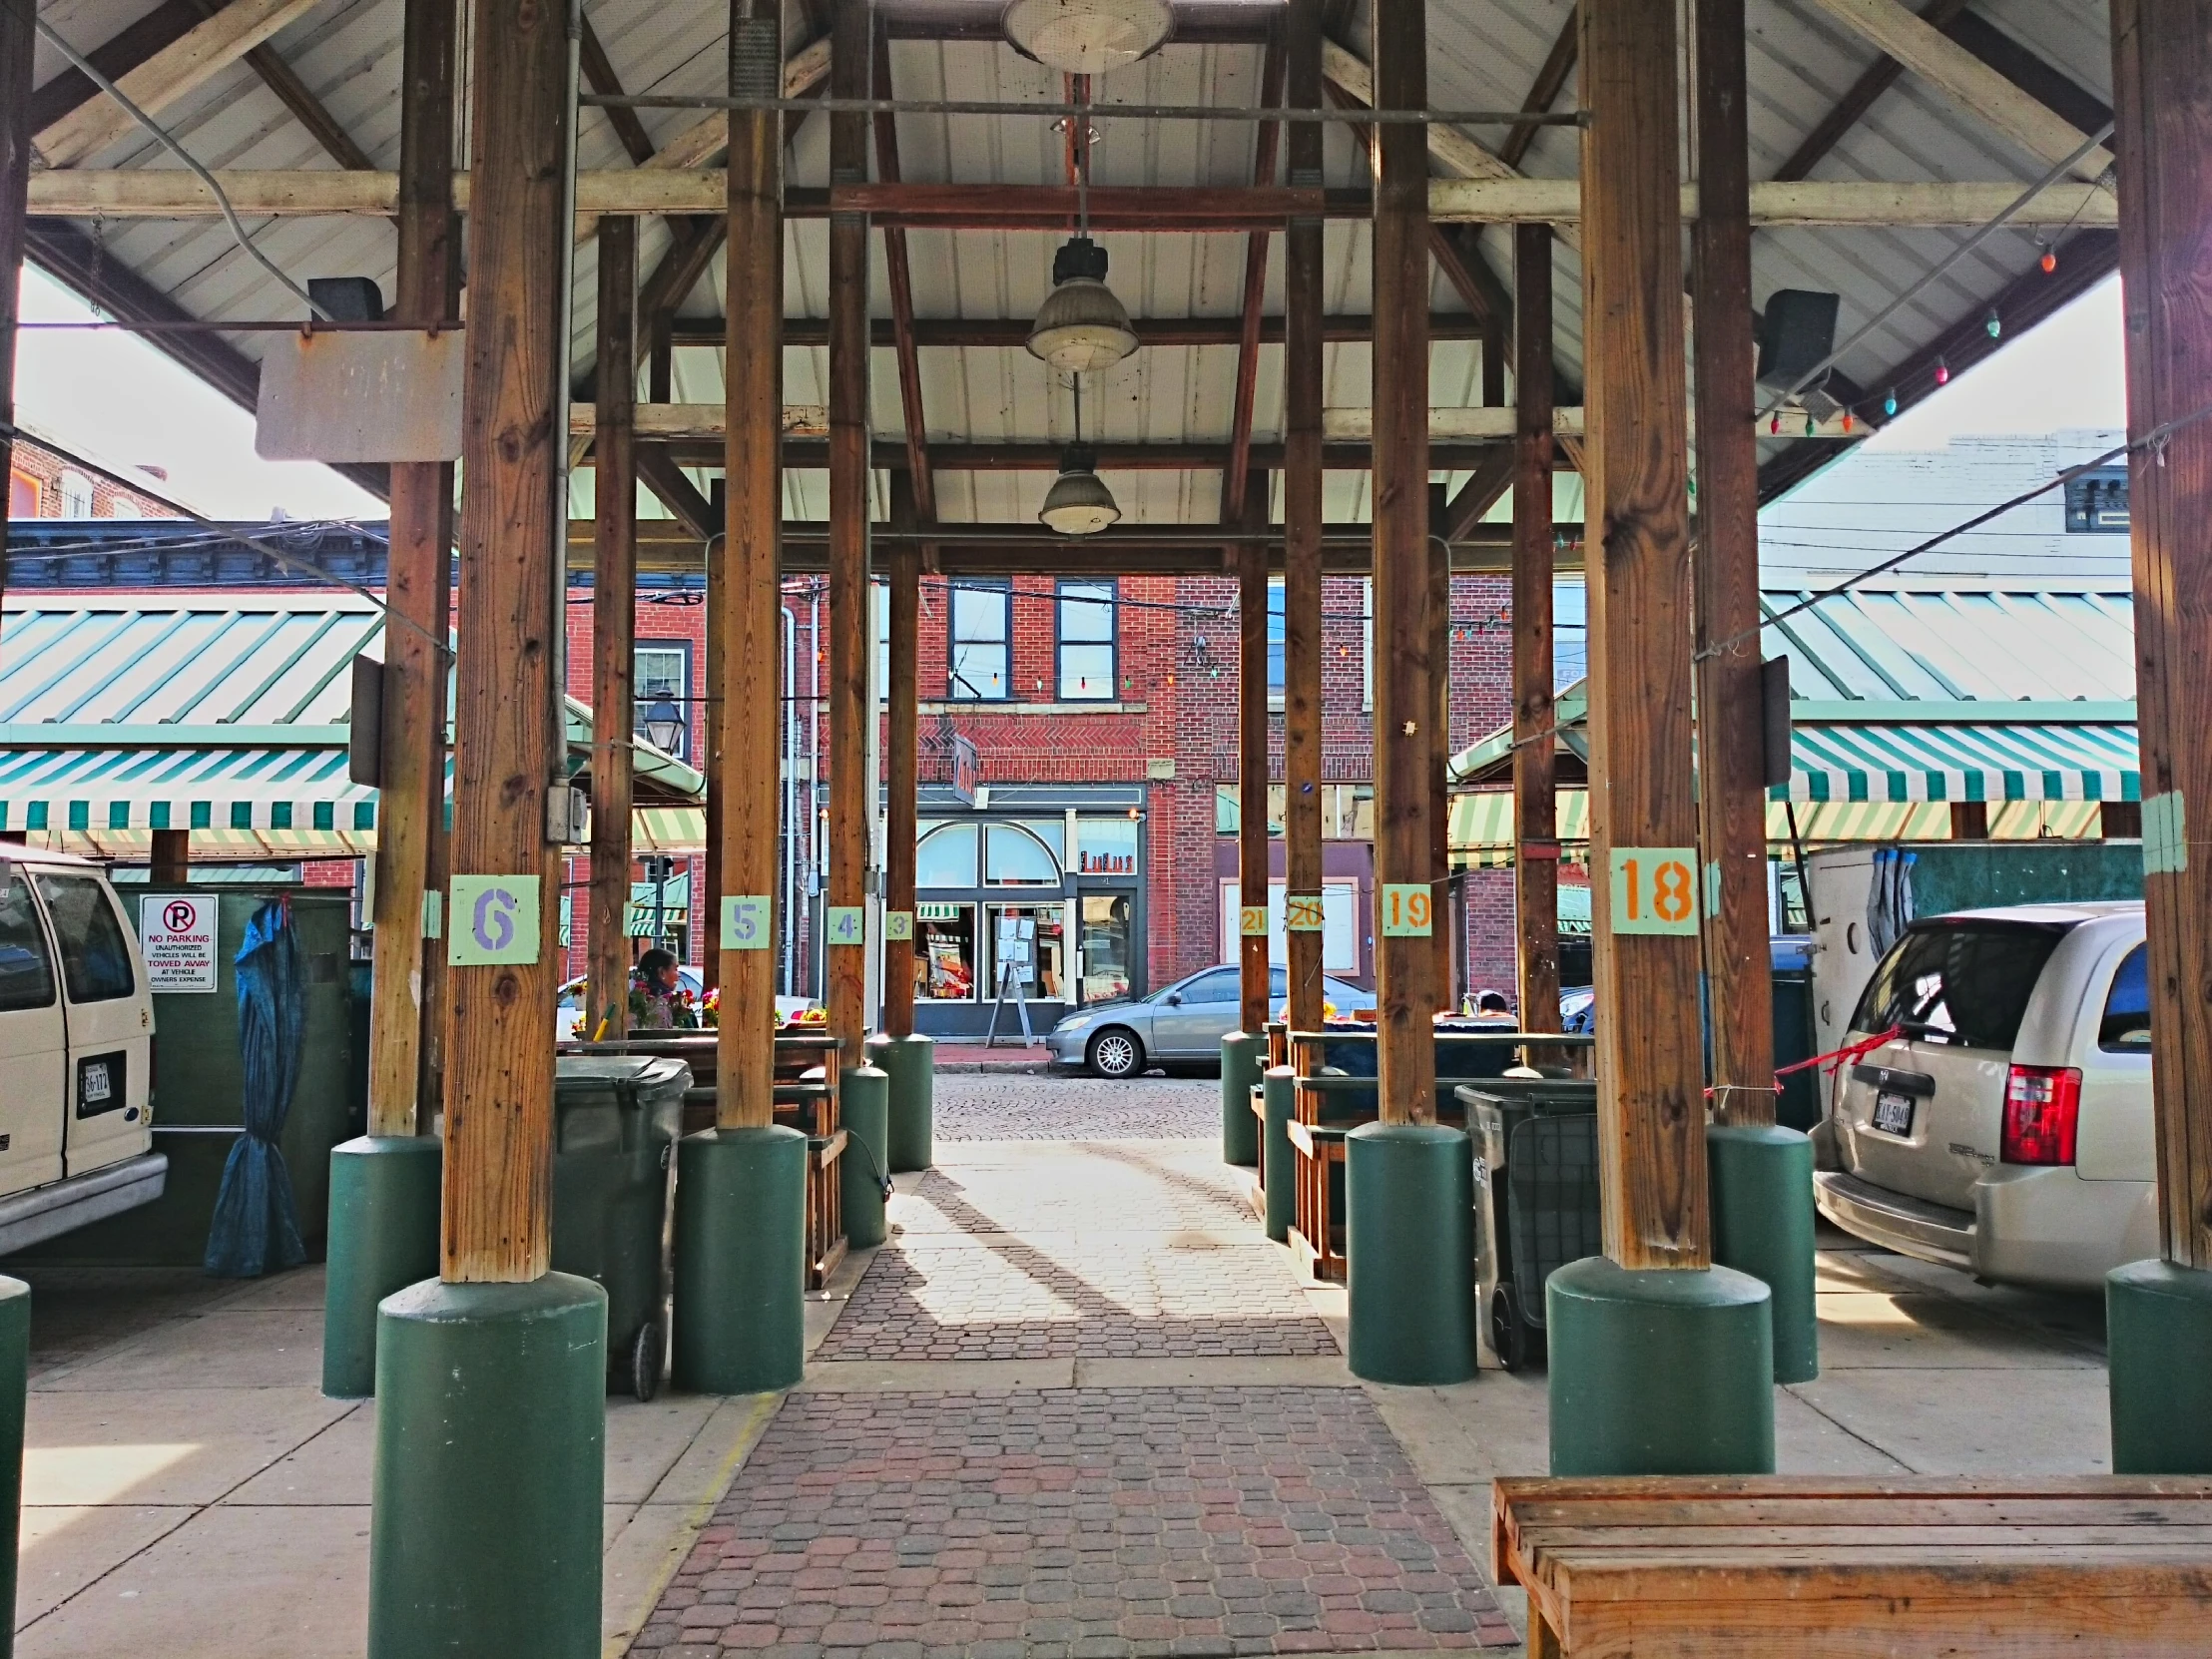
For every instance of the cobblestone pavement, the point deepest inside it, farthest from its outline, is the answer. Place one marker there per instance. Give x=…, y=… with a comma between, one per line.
x=1101, y=1523
x=1001, y=1107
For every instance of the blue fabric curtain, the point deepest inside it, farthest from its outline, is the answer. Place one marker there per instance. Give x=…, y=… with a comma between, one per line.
x=257, y=1225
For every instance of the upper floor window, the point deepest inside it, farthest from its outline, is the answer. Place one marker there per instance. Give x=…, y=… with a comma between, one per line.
x=1276, y=679
x=75, y=492
x=1085, y=637
x=660, y=681
x=980, y=668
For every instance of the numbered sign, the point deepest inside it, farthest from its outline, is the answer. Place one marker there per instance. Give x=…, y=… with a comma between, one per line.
x=1406, y=910
x=1252, y=921
x=1655, y=889
x=746, y=921
x=898, y=924
x=847, y=924
x=1302, y=912
x=495, y=920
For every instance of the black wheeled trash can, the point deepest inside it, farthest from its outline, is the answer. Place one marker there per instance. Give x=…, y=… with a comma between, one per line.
x=616, y=1120
x=1536, y=1203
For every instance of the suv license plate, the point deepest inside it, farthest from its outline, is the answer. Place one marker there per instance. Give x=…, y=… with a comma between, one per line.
x=1892, y=1113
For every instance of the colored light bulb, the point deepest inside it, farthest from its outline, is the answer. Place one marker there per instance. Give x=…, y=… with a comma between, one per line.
x=1991, y=324
x=1943, y=373
x=2049, y=261
x=1890, y=403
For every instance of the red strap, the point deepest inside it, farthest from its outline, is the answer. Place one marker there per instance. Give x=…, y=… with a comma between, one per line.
x=1835, y=1058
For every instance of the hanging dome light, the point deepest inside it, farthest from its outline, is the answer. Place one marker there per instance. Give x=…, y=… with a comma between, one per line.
x=1078, y=503
x=1081, y=327
x=1087, y=37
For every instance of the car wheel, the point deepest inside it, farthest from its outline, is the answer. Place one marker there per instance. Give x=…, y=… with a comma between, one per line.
x=1115, y=1053
x=1509, y=1333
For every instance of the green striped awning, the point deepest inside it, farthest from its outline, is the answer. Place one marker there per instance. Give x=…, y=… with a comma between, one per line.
x=83, y=791
x=2048, y=760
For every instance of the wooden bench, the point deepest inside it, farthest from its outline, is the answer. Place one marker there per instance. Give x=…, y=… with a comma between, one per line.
x=1803, y=1567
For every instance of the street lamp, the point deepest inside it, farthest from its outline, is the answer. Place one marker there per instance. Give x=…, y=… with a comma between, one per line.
x=664, y=725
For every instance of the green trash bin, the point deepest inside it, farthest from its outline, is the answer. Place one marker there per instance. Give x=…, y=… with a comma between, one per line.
x=1536, y=1203
x=616, y=1120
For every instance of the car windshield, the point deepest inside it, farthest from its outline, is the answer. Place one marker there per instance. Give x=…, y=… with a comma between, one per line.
x=1964, y=984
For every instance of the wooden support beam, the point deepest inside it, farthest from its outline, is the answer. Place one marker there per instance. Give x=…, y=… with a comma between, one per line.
x=1457, y=250
x=1535, y=804
x=902, y=763
x=750, y=683
x=1254, y=296
x=1970, y=82
x=659, y=474
x=1303, y=333
x=1731, y=730
x=1877, y=78
x=1444, y=976
x=183, y=66
x=1405, y=704
x=899, y=274
x=114, y=57
x=2162, y=88
x=599, y=75
x=890, y=455
x=1011, y=333
x=18, y=49
x=169, y=864
x=1251, y=761
x=851, y=790
x=1484, y=488
x=1551, y=80
x=614, y=625
x=508, y=744
x=406, y=1011
x=1651, y=1070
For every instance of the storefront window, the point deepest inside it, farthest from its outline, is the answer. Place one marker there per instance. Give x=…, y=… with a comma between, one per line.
x=1032, y=939
x=947, y=856
x=944, y=953
x=1106, y=846
x=1014, y=856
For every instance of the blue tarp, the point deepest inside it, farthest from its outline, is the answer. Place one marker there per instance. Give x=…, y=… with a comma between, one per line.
x=256, y=1229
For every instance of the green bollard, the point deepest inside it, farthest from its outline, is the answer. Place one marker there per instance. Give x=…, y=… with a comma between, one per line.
x=385, y=1194
x=863, y=1112
x=740, y=1260
x=1410, y=1253
x=910, y=1062
x=1242, y=1057
x=1659, y=1372
x=1762, y=1199
x=15, y=1371
x=2158, y=1332
x=490, y=1472
x=1277, y=1161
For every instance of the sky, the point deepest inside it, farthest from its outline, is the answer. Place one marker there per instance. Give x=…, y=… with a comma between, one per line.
x=126, y=405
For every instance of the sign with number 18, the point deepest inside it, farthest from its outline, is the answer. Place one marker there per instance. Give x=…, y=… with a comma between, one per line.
x=1654, y=889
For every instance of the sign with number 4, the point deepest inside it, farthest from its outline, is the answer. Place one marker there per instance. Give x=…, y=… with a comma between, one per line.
x=745, y=921
x=1406, y=910
x=1654, y=889
x=847, y=924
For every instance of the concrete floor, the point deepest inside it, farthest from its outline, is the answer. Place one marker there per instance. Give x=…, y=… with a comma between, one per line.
x=188, y=1492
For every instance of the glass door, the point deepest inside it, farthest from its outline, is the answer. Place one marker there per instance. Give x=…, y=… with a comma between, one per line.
x=1106, y=946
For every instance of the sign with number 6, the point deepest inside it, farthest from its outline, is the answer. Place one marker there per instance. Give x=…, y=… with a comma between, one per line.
x=1655, y=889
x=1406, y=910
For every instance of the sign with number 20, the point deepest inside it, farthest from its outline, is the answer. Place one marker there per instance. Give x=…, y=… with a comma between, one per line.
x=1654, y=889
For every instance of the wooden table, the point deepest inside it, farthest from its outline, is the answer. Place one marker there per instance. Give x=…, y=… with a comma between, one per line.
x=1803, y=1567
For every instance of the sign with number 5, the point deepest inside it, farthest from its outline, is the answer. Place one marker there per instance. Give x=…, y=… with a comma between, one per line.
x=1654, y=889
x=746, y=921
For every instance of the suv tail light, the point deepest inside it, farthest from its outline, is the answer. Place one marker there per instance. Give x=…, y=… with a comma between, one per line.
x=2042, y=1106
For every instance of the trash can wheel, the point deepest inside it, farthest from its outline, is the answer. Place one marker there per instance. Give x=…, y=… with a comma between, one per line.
x=645, y=1361
x=1510, y=1335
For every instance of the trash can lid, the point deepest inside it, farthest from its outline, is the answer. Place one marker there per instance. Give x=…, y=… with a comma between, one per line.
x=627, y=1075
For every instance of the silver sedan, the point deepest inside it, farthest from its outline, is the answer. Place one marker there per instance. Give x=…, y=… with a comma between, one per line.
x=1184, y=1022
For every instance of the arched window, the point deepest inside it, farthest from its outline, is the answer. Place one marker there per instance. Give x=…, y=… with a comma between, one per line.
x=1014, y=856
x=76, y=494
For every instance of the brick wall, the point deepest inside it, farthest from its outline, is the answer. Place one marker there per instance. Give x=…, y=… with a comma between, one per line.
x=35, y=488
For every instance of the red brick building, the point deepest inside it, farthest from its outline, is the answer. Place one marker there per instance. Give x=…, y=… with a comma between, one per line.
x=42, y=485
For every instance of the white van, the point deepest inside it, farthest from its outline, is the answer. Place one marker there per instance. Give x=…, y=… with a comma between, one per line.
x=76, y=1051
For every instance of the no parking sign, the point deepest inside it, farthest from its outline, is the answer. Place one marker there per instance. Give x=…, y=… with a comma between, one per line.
x=177, y=934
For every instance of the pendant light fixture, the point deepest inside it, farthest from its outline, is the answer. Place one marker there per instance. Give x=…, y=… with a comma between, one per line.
x=1087, y=37
x=1078, y=503
x=1081, y=327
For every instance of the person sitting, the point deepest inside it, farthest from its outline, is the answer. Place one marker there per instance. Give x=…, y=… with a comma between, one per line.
x=1491, y=1008
x=658, y=1000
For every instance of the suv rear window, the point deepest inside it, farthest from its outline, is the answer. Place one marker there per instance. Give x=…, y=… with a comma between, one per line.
x=1964, y=984
x=2125, y=1027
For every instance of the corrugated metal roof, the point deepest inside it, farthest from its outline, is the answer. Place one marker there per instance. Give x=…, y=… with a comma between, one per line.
x=1483, y=53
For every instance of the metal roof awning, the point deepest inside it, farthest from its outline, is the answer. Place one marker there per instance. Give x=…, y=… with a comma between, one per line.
x=266, y=794
x=1903, y=762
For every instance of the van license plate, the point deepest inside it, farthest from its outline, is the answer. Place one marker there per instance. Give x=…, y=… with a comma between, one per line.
x=1892, y=1113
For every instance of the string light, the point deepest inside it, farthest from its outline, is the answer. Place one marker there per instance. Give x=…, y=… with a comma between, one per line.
x=1943, y=373
x=1774, y=424
x=1848, y=417
x=2049, y=261
x=1990, y=322
x=1890, y=403
x=1811, y=425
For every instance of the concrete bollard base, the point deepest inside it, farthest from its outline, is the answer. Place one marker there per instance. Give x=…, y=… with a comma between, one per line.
x=1762, y=1199
x=910, y=1063
x=1243, y=1055
x=740, y=1260
x=1277, y=1162
x=384, y=1196
x=1410, y=1253
x=2158, y=1332
x=864, y=1113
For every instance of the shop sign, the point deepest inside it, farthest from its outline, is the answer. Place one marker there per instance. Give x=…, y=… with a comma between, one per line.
x=968, y=768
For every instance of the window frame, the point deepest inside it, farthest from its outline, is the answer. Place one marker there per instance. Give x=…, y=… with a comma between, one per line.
x=681, y=698
x=1110, y=587
x=62, y=489
x=954, y=643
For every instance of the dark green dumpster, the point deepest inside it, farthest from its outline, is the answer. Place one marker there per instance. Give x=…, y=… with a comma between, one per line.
x=616, y=1120
x=1536, y=1203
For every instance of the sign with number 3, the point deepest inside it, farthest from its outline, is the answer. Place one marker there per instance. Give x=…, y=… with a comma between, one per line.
x=1654, y=889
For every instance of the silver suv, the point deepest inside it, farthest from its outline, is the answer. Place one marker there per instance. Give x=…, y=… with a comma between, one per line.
x=2006, y=1127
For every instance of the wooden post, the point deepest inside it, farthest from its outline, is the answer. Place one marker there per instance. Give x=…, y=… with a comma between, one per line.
x=1535, y=802
x=849, y=481
x=1439, y=549
x=902, y=763
x=1302, y=525
x=1251, y=758
x=509, y=740
x=18, y=46
x=1651, y=1071
x=1731, y=748
x=749, y=684
x=2162, y=90
x=1405, y=704
x=405, y=1014
x=704, y=880
x=614, y=630
x=171, y=862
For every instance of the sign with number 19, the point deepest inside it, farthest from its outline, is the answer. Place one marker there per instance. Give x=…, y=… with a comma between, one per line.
x=1654, y=889
x=1406, y=910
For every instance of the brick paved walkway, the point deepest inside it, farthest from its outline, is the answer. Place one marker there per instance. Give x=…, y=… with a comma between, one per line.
x=1013, y=1107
